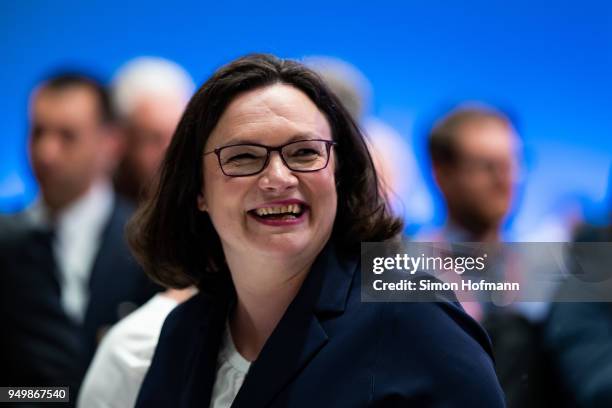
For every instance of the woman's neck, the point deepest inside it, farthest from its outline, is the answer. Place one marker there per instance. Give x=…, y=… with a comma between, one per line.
x=263, y=291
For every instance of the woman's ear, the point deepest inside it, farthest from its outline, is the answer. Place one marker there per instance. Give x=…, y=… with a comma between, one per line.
x=202, y=202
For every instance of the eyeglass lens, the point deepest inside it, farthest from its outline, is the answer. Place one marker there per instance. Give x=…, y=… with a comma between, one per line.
x=308, y=155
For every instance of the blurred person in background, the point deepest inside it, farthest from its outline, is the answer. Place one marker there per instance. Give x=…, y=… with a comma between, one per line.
x=474, y=151
x=393, y=156
x=150, y=95
x=66, y=272
x=345, y=80
x=579, y=335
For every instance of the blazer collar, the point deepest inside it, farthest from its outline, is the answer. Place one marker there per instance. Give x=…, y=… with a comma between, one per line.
x=298, y=337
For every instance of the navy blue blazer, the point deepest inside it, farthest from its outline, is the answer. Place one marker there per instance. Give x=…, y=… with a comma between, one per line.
x=40, y=345
x=331, y=350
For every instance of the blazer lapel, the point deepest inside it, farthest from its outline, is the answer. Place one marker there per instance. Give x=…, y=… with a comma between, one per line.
x=201, y=371
x=294, y=343
x=299, y=335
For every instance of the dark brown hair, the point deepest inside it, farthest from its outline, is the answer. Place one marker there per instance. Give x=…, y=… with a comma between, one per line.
x=177, y=243
x=442, y=142
x=68, y=80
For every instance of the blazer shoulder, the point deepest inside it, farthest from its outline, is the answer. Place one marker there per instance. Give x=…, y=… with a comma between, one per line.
x=170, y=362
x=182, y=326
x=13, y=229
x=435, y=345
x=184, y=317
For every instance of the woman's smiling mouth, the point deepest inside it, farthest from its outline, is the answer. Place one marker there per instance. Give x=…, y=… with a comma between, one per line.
x=280, y=213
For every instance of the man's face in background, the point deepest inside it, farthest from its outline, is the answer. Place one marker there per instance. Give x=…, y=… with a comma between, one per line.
x=69, y=144
x=479, y=185
x=148, y=130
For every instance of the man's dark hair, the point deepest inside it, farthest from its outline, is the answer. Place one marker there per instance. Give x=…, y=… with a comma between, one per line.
x=177, y=243
x=442, y=142
x=67, y=80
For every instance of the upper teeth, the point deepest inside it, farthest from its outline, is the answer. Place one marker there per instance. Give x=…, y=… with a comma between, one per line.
x=291, y=208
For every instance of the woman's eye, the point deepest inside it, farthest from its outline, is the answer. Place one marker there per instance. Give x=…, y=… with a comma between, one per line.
x=241, y=157
x=305, y=152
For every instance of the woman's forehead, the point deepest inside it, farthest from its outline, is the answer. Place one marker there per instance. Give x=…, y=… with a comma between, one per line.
x=277, y=111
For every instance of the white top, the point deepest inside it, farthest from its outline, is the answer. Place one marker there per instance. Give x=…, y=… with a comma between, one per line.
x=231, y=370
x=78, y=234
x=124, y=356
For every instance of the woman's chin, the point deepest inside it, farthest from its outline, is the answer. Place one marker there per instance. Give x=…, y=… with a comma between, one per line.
x=282, y=246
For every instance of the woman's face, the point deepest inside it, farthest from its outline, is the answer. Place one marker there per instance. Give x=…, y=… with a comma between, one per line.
x=242, y=209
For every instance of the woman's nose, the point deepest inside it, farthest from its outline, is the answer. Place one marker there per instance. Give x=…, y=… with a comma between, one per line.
x=277, y=176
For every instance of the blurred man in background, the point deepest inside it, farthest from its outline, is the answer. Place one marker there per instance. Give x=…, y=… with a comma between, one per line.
x=149, y=94
x=66, y=272
x=473, y=153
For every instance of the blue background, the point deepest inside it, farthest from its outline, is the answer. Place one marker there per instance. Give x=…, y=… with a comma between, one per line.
x=549, y=63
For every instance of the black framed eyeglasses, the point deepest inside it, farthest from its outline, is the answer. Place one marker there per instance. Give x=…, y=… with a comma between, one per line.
x=248, y=159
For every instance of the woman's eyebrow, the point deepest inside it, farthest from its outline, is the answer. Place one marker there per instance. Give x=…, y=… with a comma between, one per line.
x=261, y=141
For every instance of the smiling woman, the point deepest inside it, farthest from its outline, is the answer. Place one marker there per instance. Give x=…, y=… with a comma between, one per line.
x=300, y=172
x=266, y=192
